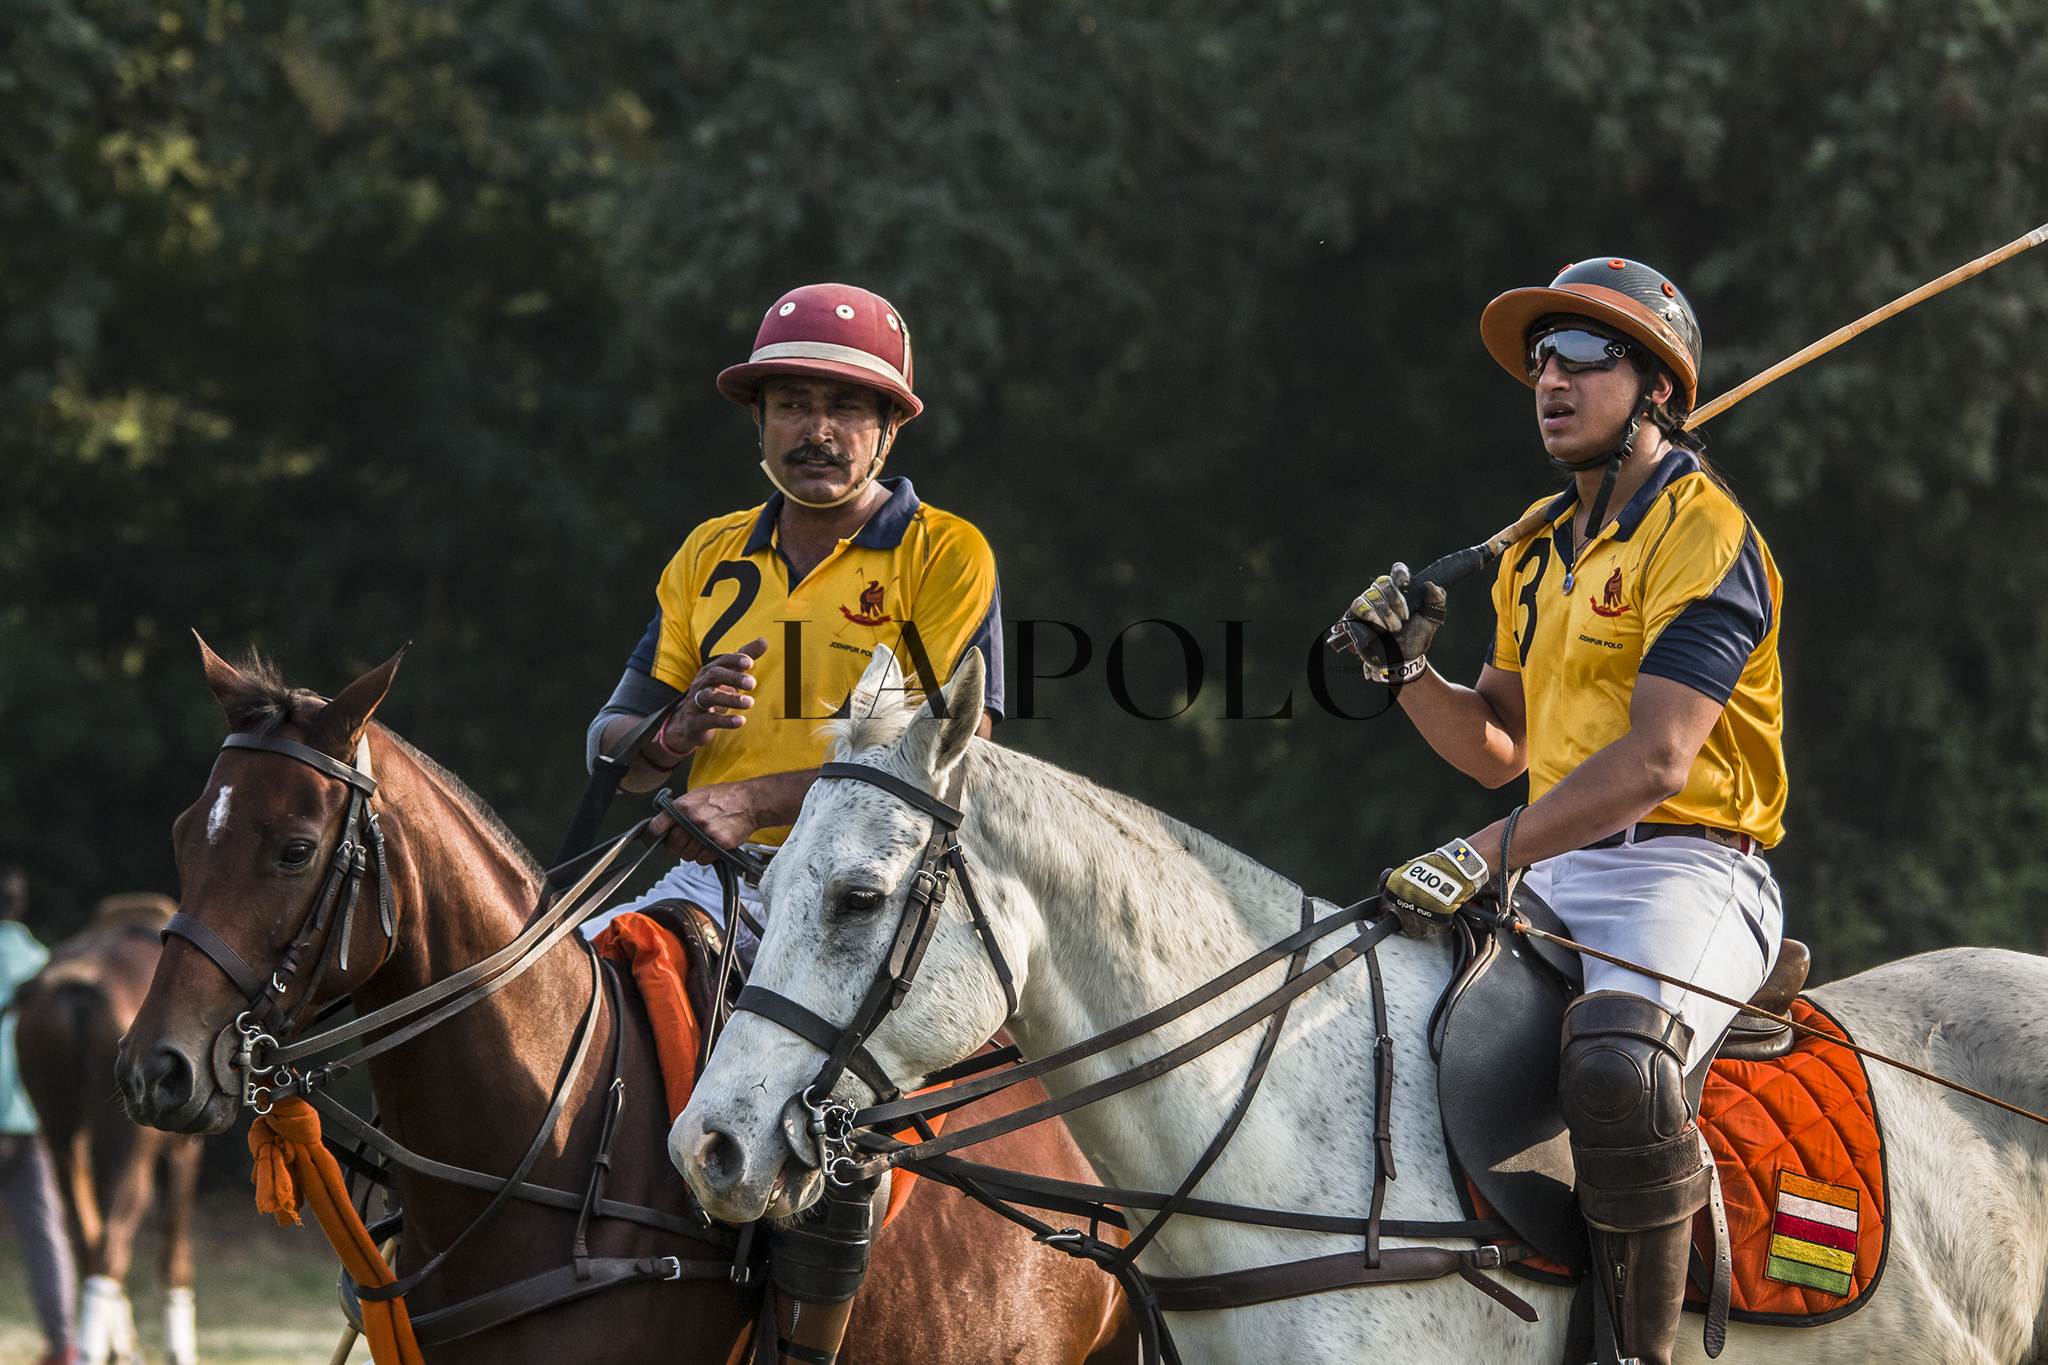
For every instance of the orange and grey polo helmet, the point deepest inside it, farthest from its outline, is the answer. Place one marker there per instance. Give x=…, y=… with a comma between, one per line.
x=1625, y=295
x=830, y=331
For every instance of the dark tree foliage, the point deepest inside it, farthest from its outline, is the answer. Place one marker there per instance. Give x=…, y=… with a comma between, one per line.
x=334, y=326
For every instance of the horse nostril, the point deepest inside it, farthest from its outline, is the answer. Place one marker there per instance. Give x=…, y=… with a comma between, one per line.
x=167, y=1080
x=720, y=1159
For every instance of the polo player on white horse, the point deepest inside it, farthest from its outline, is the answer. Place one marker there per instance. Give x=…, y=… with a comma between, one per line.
x=1634, y=677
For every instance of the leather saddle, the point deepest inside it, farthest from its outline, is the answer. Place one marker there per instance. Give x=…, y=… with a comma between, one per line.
x=1496, y=1037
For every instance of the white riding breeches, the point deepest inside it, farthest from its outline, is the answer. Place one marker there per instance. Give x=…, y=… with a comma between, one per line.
x=690, y=882
x=1686, y=907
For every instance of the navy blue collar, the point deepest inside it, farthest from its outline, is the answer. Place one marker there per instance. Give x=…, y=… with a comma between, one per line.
x=883, y=531
x=1673, y=467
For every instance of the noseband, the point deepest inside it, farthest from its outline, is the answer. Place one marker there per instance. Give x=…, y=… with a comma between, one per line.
x=845, y=1049
x=358, y=857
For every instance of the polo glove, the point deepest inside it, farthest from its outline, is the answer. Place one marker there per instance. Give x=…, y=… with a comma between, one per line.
x=1427, y=891
x=1385, y=606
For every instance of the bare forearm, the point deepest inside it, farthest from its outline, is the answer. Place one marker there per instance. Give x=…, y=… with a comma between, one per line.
x=1465, y=729
x=642, y=775
x=776, y=798
x=1609, y=791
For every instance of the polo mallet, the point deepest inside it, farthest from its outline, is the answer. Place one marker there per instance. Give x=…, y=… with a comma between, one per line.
x=1350, y=634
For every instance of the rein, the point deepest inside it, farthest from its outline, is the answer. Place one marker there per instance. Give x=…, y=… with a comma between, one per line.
x=268, y=1073
x=840, y=1131
x=1515, y=924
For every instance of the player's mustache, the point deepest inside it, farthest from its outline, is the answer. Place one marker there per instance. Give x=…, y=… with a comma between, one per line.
x=810, y=453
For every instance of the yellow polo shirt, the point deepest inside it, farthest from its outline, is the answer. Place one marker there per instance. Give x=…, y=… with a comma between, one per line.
x=1678, y=584
x=917, y=579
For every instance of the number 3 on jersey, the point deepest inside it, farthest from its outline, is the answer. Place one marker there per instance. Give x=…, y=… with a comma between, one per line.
x=1539, y=551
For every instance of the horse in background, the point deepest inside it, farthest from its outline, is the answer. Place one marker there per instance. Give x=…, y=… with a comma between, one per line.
x=72, y=1015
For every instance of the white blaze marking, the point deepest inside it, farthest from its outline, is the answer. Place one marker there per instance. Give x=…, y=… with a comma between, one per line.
x=217, y=818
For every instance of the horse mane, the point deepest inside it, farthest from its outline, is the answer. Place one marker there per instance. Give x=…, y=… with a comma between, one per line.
x=465, y=796
x=261, y=701
x=1141, y=824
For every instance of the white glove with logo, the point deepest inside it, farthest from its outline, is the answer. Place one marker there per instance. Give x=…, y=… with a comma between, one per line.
x=1385, y=607
x=1427, y=891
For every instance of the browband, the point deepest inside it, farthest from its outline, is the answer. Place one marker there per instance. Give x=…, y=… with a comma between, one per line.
x=313, y=758
x=948, y=816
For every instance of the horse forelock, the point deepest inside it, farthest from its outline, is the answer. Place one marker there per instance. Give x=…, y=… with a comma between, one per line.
x=880, y=728
x=259, y=700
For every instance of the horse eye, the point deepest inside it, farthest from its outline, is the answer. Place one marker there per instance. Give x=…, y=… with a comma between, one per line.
x=297, y=852
x=861, y=901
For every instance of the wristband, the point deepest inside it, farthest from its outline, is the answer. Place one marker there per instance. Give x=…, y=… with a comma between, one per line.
x=1410, y=670
x=661, y=743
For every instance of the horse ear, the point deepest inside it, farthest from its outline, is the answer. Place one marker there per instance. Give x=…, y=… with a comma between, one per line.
x=340, y=723
x=223, y=679
x=883, y=676
x=938, y=737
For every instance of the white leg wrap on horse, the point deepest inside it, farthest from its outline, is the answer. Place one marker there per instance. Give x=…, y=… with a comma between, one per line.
x=100, y=1309
x=181, y=1328
x=127, y=1346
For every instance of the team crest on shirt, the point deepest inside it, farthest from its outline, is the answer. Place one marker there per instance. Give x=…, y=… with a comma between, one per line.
x=871, y=613
x=1609, y=602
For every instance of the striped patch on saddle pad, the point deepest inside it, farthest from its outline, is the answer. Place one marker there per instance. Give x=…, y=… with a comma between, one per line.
x=1813, y=1238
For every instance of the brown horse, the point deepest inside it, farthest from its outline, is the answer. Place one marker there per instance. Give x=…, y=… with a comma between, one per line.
x=949, y=1281
x=72, y=1015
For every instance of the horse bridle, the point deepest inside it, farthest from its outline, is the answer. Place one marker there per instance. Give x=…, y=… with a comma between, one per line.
x=266, y=1065
x=856, y=1146
x=939, y=865
x=358, y=857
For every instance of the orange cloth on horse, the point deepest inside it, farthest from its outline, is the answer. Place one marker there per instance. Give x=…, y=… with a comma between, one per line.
x=292, y=1166
x=1802, y=1170
x=655, y=959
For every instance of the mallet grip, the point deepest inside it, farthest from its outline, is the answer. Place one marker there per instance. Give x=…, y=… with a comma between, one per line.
x=1349, y=634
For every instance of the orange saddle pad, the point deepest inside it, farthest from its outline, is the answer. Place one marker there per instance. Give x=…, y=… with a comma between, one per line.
x=1801, y=1156
x=655, y=958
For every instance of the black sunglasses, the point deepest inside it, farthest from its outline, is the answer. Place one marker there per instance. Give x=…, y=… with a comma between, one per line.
x=1576, y=352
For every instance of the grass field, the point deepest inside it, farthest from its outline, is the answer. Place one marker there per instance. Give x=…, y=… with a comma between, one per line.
x=265, y=1294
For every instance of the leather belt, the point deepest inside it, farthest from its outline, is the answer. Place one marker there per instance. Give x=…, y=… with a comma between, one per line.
x=1653, y=829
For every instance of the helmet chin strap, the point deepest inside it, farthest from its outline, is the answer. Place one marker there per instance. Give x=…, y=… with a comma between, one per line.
x=848, y=496
x=861, y=486
x=1613, y=458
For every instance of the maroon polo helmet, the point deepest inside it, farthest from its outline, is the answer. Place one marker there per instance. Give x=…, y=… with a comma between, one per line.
x=829, y=331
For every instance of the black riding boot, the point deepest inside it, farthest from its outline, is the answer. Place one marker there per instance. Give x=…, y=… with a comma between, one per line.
x=1641, y=1168
x=1642, y=1275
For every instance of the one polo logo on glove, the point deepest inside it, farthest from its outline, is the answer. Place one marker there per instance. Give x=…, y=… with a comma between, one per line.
x=1423, y=877
x=871, y=613
x=1612, y=605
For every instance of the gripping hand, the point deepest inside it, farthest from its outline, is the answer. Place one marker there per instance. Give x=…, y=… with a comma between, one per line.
x=1427, y=891
x=1385, y=606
